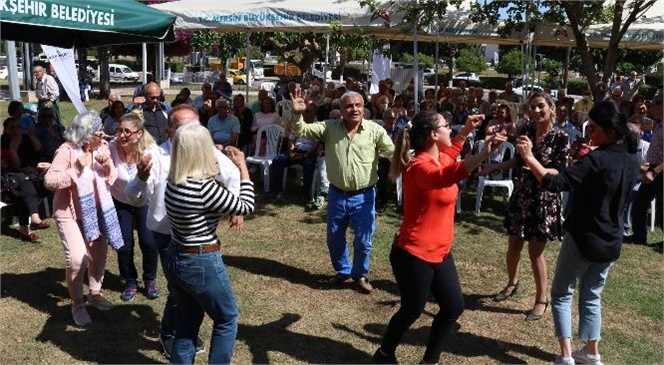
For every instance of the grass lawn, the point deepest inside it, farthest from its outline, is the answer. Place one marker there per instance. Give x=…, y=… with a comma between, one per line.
x=287, y=315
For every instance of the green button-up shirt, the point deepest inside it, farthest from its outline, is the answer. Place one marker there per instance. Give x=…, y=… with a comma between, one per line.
x=352, y=164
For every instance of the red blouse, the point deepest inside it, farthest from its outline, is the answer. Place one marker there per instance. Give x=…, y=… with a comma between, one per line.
x=429, y=197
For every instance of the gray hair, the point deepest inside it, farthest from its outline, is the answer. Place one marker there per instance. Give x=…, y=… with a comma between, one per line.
x=80, y=130
x=220, y=101
x=351, y=94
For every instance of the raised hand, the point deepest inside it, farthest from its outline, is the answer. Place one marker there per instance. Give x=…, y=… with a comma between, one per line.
x=236, y=155
x=299, y=104
x=105, y=161
x=524, y=146
x=493, y=142
x=144, y=166
x=472, y=122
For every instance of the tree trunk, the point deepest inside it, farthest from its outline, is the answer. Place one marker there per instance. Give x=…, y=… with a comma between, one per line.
x=104, y=54
x=565, y=75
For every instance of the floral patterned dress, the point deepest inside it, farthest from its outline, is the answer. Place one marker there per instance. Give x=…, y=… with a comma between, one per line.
x=533, y=213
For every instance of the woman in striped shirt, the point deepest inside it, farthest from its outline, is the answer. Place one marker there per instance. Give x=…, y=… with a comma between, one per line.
x=195, y=202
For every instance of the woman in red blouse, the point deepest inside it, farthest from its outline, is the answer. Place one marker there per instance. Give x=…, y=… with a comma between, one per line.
x=421, y=258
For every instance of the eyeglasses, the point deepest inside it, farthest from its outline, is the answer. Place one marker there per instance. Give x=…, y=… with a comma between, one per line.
x=444, y=125
x=127, y=131
x=152, y=97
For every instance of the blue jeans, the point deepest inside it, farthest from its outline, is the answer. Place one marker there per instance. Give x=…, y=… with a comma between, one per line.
x=128, y=215
x=168, y=318
x=359, y=211
x=201, y=285
x=591, y=277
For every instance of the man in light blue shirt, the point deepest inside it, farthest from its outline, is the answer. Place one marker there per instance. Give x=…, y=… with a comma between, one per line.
x=224, y=127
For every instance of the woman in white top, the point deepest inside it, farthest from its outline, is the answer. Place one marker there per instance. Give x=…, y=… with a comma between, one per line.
x=266, y=116
x=132, y=143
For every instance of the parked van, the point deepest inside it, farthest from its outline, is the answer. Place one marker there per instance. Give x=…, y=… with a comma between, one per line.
x=119, y=72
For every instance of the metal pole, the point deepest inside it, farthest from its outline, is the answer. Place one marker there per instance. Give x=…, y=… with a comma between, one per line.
x=160, y=61
x=247, y=68
x=327, y=56
x=27, y=67
x=12, y=68
x=144, y=50
x=416, y=77
x=437, y=55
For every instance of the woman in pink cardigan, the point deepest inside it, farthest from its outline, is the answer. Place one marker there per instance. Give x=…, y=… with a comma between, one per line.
x=80, y=175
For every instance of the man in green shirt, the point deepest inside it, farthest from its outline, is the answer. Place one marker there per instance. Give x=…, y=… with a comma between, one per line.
x=352, y=148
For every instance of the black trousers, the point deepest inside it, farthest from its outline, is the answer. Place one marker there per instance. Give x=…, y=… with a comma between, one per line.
x=640, y=206
x=416, y=279
x=27, y=203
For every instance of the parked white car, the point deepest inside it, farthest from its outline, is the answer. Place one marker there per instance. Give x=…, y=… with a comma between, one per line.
x=527, y=89
x=426, y=72
x=4, y=72
x=119, y=72
x=466, y=76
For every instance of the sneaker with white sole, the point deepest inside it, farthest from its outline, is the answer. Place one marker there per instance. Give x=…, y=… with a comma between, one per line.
x=80, y=314
x=100, y=302
x=560, y=360
x=581, y=357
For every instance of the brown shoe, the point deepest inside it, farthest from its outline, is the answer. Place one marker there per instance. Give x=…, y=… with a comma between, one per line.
x=363, y=285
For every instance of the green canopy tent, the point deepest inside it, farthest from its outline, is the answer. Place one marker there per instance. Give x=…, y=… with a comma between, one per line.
x=83, y=23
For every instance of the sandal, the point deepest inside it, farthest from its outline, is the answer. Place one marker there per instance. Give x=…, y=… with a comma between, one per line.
x=535, y=317
x=503, y=293
x=40, y=225
x=30, y=237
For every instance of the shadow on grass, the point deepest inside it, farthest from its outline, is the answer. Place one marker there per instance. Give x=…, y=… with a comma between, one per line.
x=458, y=343
x=275, y=336
x=276, y=269
x=117, y=336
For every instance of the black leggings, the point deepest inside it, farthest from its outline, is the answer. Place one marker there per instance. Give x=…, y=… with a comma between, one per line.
x=416, y=278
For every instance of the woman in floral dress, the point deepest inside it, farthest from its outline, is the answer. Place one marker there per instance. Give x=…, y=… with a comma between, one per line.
x=533, y=214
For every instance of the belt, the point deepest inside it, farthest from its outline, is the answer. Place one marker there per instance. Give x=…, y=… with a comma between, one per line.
x=205, y=248
x=353, y=192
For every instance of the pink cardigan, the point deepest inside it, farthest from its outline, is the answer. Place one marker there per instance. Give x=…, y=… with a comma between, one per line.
x=61, y=177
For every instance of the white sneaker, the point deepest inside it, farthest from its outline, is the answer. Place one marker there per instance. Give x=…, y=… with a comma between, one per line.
x=80, y=314
x=581, y=357
x=564, y=360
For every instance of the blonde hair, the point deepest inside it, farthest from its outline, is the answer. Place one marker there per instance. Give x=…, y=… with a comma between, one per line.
x=192, y=155
x=146, y=141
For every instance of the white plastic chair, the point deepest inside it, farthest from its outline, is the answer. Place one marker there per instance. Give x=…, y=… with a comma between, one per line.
x=506, y=183
x=267, y=86
x=652, y=210
x=273, y=134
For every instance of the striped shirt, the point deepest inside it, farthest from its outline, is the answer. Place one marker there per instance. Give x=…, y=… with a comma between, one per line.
x=194, y=209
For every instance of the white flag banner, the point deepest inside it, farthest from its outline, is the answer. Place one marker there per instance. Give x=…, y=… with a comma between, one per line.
x=62, y=60
x=380, y=69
